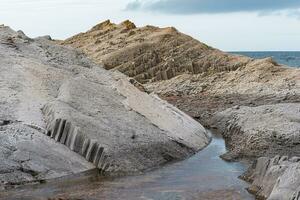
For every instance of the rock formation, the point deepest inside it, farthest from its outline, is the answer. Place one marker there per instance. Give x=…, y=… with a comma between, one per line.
x=60, y=113
x=253, y=103
x=275, y=178
x=264, y=130
x=218, y=80
x=151, y=54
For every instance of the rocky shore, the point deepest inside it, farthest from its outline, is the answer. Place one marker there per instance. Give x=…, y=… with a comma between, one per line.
x=253, y=103
x=61, y=114
x=274, y=178
x=260, y=131
x=65, y=111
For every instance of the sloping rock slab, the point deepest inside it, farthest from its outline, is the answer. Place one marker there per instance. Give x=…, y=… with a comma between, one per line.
x=51, y=90
x=120, y=134
x=27, y=156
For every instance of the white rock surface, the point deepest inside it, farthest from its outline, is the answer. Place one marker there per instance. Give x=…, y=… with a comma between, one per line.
x=265, y=130
x=277, y=178
x=50, y=90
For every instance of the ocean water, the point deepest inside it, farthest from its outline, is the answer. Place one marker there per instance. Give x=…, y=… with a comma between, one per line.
x=290, y=58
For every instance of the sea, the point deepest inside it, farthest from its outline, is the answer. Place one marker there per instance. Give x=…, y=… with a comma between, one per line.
x=290, y=58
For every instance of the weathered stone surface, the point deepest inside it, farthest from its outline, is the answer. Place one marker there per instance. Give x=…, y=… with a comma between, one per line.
x=111, y=125
x=261, y=131
x=277, y=178
x=187, y=72
x=254, y=103
x=29, y=156
x=150, y=53
x=60, y=114
x=265, y=131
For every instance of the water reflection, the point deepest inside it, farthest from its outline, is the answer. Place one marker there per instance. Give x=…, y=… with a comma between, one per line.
x=203, y=176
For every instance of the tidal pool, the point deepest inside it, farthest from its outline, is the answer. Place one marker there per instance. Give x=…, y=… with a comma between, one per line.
x=203, y=176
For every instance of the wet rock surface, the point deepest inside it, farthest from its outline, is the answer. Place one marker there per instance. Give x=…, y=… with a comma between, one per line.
x=61, y=114
x=202, y=176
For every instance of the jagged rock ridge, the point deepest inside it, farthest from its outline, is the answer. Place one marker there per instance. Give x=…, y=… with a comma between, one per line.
x=150, y=53
x=253, y=103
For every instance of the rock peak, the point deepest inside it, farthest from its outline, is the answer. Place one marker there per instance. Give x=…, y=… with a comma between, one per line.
x=103, y=25
x=128, y=24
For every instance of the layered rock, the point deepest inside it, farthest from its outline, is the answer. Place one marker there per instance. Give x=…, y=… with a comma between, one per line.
x=275, y=178
x=150, y=53
x=265, y=131
x=218, y=82
x=109, y=129
x=254, y=103
x=260, y=131
x=60, y=113
x=260, y=82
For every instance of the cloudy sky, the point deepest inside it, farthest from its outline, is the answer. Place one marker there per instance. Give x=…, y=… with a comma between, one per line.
x=226, y=24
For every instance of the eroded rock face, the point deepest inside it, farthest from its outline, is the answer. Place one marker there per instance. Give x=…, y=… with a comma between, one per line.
x=261, y=131
x=254, y=103
x=150, y=53
x=26, y=154
x=110, y=128
x=29, y=156
x=258, y=83
x=275, y=178
x=266, y=130
x=61, y=114
x=198, y=79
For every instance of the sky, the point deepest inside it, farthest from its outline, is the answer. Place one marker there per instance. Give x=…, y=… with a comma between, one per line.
x=230, y=25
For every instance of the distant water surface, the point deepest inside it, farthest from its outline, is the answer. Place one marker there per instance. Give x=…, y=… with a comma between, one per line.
x=290, y=58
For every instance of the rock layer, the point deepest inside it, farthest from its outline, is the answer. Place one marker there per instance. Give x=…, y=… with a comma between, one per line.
x=261, y=131
x=50, y=91
x=275, y=178
x=218, y=82
x=150, y=53
x=253, y=103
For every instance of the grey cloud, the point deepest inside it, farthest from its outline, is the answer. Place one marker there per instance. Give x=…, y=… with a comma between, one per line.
x=214, y=6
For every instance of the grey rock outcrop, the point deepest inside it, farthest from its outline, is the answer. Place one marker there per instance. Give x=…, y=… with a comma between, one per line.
x=61, y=114
x=260, y=131
x=267, y=130
x=254, y=103
x=275, y=178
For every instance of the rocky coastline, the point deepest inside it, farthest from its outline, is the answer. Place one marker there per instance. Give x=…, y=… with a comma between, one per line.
x=61, y=114
x=253, y=103
x=122, y=99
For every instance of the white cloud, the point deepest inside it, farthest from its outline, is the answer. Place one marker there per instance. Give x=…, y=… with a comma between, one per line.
x=231, y=31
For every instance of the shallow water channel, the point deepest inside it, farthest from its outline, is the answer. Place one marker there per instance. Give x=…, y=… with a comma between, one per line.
x=203, y=176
